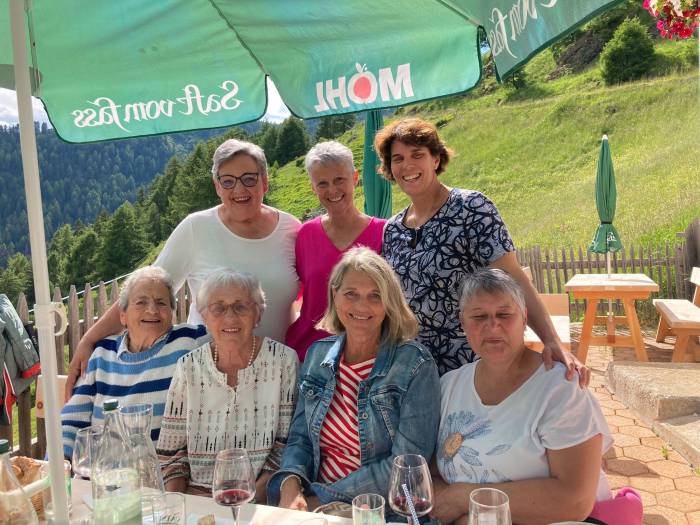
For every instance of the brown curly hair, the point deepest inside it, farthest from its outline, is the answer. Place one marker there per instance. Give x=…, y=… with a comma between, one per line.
x=414, y=132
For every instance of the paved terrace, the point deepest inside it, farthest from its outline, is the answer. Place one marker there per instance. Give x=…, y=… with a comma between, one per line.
x=668, y=484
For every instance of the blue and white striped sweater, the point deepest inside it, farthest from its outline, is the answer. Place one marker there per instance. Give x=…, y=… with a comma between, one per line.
x=114, y=372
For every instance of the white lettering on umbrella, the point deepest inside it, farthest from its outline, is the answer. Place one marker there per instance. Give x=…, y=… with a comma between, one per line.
x=363, y=87
x=517, y=18
x=107, y=112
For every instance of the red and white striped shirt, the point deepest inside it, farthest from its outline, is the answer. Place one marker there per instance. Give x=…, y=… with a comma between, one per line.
x=339, y=438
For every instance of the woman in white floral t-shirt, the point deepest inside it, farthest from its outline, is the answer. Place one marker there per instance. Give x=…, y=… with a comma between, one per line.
x=510, y=424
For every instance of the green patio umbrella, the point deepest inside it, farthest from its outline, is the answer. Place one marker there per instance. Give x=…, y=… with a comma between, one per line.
x=606, y=239
x=106, y=69
x=377, y=189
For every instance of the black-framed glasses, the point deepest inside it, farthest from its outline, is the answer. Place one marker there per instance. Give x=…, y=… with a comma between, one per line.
x=228, y=182
x=414, y=237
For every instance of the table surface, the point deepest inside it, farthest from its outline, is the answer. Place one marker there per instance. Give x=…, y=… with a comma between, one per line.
x=617, y=282
x=201, y=506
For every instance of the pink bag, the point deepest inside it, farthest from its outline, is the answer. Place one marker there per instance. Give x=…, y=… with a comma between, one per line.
x=624, y=509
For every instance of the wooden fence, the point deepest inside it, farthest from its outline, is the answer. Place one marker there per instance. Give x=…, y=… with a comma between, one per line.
x=668, y=265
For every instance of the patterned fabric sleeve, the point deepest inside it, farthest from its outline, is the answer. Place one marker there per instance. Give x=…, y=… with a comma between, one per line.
x=486, y=228
x=288, y=393
x=172, y=442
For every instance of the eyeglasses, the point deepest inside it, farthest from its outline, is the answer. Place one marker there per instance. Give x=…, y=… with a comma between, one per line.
x=228, y=182
x=415, y=236
x=238, y=308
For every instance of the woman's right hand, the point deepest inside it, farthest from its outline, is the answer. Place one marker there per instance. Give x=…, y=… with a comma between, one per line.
x=77, y=366
x=291, y=496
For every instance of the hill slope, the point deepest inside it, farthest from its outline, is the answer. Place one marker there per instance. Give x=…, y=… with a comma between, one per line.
x=536, y=158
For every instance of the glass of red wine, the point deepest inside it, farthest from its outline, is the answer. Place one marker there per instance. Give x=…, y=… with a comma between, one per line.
x=410, y=487
x=234, y=482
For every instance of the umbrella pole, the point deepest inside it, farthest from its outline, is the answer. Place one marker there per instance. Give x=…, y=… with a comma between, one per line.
x=610, y=327
x=43, y=309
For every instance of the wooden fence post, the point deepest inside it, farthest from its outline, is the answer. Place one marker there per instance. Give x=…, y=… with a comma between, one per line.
x=73, y=321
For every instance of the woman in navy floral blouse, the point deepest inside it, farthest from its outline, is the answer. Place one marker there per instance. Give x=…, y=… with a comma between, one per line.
x=444, y=235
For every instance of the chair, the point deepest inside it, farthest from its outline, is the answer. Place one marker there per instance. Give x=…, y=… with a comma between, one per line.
x=681, y=318
x=557, y=306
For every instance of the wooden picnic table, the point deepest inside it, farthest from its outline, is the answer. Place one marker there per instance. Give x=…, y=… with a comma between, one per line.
x=627, y=287
x=198, y=506
x=561, y=326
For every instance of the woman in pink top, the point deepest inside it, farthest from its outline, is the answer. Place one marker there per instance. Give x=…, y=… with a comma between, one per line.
x=322, y=241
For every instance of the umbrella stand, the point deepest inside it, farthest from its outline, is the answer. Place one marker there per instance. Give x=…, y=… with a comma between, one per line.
x=43, y=309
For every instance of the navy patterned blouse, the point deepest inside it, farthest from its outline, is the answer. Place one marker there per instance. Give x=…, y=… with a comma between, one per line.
x=465, y=234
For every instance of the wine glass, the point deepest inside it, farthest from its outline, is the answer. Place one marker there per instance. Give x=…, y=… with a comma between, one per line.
x=410, y=487
x=85, y=449
x=234, y=482
x=489, y=507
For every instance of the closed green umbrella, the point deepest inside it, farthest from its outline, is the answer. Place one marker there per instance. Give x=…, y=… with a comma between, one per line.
x=377, y=189
x=606, y=238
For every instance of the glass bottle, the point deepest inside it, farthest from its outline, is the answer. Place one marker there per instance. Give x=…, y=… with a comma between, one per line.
x=136, y=420
x=15, y=506
x=116, y=489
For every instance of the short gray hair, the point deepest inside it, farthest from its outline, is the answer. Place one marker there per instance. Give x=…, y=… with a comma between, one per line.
x=225, y=277
x=232, y=147
x=491, y=281
x=155, y=273
x=330, y=152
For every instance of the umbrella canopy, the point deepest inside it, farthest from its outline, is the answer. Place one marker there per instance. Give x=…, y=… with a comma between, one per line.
x=606, y=238
x=377, y=189
x=107, y=69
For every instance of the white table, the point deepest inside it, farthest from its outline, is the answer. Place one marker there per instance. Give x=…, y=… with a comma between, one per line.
x=255, y=514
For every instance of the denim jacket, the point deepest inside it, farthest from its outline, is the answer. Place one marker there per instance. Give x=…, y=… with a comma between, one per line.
x=398, y=413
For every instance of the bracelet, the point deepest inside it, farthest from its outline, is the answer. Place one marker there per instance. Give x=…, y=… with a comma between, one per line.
x=293, y=476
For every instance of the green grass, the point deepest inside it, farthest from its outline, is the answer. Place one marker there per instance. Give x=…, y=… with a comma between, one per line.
x=534, y=152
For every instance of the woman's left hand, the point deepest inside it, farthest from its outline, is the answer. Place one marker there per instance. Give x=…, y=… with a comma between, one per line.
x=553, y=351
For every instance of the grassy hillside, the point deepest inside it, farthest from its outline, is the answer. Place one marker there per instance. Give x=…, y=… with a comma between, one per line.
x=534, y=152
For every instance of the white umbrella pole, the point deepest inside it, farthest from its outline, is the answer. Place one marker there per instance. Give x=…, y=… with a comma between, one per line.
x=43, y=309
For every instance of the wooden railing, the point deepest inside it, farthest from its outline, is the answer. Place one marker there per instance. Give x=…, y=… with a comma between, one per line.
x=668, y=265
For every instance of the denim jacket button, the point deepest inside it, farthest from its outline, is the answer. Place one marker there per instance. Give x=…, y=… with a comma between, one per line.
x=364, y=415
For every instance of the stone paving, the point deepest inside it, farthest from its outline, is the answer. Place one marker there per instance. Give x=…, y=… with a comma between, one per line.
x=668, y=484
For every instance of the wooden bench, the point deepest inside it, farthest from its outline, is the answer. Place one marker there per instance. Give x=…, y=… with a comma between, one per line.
x=557, y=306
x=681, y=318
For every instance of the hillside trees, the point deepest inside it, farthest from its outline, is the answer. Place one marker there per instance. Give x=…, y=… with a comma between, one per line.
x=123, y=244
x=17, y=278
x=293, y=141
x=333, y=126
x=629, y=55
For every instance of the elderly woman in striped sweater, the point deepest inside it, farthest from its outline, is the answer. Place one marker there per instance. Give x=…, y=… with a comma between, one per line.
x=137, y=365
x=367, y=394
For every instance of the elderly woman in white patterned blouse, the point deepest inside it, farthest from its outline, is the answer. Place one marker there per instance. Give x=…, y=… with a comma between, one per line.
x=248, y=396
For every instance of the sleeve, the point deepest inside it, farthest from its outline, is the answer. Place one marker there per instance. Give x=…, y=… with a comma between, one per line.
x=298, y=457
x=77, y=412
x=299, y=253
x=172, y=441
x=417, y=434
x=571, y=415
x=175, y=255
x=490, y=237
x=288, y=387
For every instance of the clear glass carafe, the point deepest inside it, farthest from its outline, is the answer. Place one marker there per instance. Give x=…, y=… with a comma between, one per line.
x=136, y=419
x=15, y=507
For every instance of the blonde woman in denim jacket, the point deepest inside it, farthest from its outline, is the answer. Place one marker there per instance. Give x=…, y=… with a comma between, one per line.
x=366, y=395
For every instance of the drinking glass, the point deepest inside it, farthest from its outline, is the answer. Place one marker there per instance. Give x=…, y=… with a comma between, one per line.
x=488, y=507
x=164, y=509
x=46, y=496
x=410, y=487
x=368, y=509
x=85, y=448
x=234, y=483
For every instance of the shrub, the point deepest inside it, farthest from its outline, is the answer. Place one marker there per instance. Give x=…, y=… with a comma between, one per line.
x=629, y=55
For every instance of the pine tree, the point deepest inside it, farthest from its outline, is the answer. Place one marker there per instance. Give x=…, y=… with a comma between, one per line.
x=81, y=264
x=333, y=126
x=17, y=278
x=123, y=244
x=57, y=255
x=293, y=140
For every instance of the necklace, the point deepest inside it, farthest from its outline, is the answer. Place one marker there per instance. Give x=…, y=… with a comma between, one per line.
x=250, y=359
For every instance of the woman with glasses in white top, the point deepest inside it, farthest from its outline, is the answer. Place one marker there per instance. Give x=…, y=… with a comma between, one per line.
x=238, y=391
x=240, y=233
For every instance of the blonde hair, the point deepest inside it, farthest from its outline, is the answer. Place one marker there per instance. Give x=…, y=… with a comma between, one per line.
x=400, y=324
